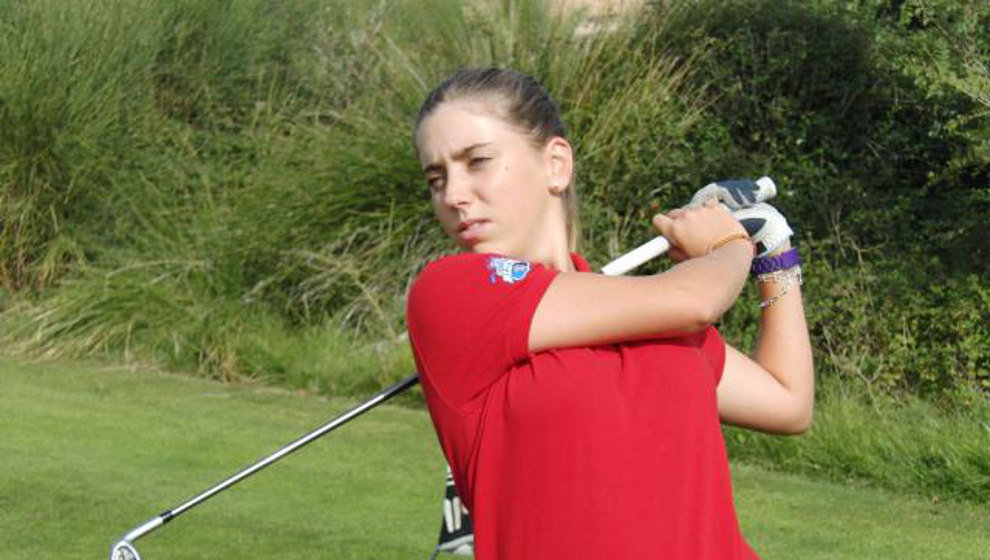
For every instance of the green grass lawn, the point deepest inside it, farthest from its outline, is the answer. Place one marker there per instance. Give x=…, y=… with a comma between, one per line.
x=90, y=452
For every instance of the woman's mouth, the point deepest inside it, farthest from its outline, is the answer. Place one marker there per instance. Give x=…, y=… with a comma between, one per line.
x=471, y=231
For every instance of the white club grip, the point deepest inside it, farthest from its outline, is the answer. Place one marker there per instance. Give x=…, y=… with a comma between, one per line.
x=768, y=189
x=649, y=250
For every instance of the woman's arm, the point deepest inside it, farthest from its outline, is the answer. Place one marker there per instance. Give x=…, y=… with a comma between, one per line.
x=774, y=391
x=580, y=309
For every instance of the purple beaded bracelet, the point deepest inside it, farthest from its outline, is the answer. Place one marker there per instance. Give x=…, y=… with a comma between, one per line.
x=765, y=265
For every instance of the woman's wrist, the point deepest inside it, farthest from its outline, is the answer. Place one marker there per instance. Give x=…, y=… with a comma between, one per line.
x=737, y=255
x=781, y=270
x=785, y=246
x=735, y=244
x=733, y=238
x=775, y=262
x=776, y=285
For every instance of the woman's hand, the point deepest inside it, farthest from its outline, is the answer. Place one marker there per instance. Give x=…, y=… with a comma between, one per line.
x=767, y=228
x=692, y=232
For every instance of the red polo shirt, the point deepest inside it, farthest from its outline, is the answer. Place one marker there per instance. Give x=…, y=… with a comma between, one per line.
x=575, y=453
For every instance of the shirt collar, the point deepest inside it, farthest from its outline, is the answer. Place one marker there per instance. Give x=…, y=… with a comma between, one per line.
x=580, y=264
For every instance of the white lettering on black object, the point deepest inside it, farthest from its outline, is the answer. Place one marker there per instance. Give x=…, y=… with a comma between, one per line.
x=453, y=510
x=448, y=515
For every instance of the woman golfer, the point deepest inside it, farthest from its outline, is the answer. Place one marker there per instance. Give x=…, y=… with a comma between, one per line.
x=580, y=413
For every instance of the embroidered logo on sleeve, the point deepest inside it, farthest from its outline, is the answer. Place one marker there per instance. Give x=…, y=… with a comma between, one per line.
x=509, y=270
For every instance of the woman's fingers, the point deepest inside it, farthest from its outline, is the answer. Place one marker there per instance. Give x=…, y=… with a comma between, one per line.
x=693, y=231
x=662, y=223
x=676, y=254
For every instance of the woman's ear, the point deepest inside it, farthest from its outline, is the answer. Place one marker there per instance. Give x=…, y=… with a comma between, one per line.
x=560, y=164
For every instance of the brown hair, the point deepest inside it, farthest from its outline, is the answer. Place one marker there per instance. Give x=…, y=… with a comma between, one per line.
x=521, y=102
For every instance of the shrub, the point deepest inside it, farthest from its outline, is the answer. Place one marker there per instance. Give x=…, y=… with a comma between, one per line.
x=878, y=171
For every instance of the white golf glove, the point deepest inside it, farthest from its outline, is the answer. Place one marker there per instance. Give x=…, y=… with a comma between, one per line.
x=766, y=227
x=736, y=194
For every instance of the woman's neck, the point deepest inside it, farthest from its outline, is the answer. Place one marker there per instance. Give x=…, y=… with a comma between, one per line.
x=554, y=251
x=560, y=261
x=553, y=255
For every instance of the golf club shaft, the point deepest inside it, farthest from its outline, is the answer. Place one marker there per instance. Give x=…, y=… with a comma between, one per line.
x=330, y=426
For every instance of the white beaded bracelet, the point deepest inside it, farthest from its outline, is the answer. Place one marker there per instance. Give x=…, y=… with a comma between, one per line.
x=786, y=276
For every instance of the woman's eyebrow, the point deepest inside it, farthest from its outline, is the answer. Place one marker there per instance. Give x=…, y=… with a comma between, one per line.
x=459, y=154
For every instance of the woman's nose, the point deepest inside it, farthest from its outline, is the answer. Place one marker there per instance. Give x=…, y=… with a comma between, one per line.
x=457, y=191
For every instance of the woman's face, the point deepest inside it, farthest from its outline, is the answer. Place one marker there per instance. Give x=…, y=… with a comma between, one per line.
x=492, y=190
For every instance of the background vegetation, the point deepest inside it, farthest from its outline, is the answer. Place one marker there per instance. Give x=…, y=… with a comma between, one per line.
x=229, y=188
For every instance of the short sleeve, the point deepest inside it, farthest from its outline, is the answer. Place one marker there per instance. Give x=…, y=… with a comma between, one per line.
x=712, y=349
x=469, y=317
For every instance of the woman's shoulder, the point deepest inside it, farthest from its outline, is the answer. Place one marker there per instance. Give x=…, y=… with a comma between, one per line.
x=447, y=263
x=469, y=316
x=490, y=268
x=444, y=271
x=476, y=284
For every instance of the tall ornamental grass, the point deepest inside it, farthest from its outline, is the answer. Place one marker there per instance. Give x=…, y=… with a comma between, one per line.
x=74, y=101
x=260, y=173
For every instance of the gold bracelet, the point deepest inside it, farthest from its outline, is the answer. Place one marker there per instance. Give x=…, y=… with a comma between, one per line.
x=729, y=239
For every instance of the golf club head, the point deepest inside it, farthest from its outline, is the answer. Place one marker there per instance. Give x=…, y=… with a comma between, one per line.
x=124, y=550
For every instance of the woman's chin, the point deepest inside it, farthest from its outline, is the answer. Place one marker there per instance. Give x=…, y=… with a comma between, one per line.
x=478, y=248
x=482, y=247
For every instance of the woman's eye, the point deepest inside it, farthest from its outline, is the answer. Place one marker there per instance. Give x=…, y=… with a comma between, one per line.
x=435, y=182
x=477, y=161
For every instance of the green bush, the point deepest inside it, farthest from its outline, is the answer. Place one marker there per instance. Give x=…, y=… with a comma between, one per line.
x=880, y=171
x=943, y=48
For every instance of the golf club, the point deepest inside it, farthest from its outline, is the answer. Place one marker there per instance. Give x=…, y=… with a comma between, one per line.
x=124, y=549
